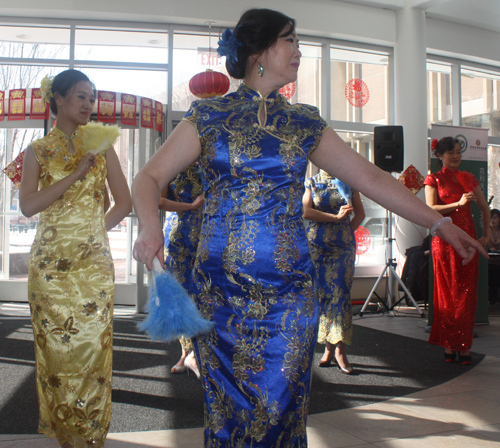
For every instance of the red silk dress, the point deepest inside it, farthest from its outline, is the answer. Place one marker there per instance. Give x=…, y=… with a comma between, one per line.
x=455, y=285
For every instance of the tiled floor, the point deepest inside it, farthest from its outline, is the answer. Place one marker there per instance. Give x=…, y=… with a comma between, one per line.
x=464, y=412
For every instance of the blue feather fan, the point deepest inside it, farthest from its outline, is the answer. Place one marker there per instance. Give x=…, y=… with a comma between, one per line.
x=171, y=311
x=344, y=189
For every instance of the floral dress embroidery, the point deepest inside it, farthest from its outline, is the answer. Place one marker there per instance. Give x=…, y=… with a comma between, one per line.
x=253, y=275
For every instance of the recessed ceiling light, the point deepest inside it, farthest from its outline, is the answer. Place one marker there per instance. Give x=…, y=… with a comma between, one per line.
x=154, y=42
x=22, y=36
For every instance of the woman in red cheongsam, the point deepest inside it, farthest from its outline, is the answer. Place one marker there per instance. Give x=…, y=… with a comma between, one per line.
x=450, y=192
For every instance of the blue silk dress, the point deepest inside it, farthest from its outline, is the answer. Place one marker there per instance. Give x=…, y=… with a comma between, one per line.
x=333, y=251
x=182, y=230
x=253, y=276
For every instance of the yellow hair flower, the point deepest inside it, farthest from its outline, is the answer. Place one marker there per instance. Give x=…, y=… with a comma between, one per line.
x=47, y=88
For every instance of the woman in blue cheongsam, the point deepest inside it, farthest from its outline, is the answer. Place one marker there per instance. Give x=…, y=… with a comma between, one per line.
x=328, y=205
x=252, y=275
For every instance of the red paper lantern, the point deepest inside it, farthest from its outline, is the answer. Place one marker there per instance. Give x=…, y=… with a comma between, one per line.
x=209, y=83
x=363, y=240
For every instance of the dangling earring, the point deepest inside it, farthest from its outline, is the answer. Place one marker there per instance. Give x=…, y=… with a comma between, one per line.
x=261, y=70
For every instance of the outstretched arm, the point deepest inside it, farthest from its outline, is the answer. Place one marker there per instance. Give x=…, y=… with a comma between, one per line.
x=335, y=157
x=181, y=149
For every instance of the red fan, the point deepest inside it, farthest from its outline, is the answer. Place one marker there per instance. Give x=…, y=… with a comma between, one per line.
x=363, y=240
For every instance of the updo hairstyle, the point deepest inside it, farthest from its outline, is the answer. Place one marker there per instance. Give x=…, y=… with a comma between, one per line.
x=444, y=145
x=258, y=30
x=64, y=82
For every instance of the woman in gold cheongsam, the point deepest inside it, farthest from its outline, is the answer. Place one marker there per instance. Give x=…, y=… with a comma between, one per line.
x=71, y=272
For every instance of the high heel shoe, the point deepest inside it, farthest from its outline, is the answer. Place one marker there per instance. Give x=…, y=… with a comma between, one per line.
x=464, y=359
x=450, y=357
x=190, y=364
x=346, y=370
x=178, y=369
x=326, y=363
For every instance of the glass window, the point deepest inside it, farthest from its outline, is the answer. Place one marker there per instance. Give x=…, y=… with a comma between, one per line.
x=24, y=76
x=150, y=84
x=371, y=240
x=308, y=85
x=121, y=46
x=494, y=176
x=193, y=54
x=480, y=101
x=359, y=86
x=439, y=95
x=34, y=42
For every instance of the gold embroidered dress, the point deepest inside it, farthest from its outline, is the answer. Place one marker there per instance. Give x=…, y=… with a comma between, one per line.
x=71, y=293
x=253, y=275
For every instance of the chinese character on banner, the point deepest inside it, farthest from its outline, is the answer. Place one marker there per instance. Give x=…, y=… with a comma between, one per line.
x=147, y=113
x=17, y=104
x=106, y=107
x=14, y=169
x=2, y=109
x=39, y=108
x=129, y=110
x=159, y=116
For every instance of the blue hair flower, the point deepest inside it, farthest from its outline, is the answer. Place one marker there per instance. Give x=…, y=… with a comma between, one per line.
x=228, y=46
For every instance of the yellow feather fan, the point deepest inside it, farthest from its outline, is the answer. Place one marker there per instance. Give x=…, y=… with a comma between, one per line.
x=98, y=137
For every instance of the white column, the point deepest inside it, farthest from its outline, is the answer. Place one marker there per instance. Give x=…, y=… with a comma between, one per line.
x=410, y=94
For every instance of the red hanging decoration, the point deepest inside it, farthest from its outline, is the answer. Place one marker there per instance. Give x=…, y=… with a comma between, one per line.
x=2, y=108
x=39, y=108
x=147, y=113
x=209, y=83
x=129, y=109
x=17, y=104
x=106, y=106
x=363, y=240
x=158, y=116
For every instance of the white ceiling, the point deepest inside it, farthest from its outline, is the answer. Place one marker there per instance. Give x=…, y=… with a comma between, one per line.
x=483, y=14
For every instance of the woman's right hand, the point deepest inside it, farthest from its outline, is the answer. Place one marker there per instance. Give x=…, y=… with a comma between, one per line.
x=344, y=212
x=86, y=162
x=198, y=202
x=466, y=198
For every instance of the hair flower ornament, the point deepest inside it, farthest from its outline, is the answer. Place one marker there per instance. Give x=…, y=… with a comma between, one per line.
x=46, y=88
x=228, y=46
x=434, y=143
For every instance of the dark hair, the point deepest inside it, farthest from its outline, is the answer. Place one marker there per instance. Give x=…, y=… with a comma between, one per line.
x=494, y=212
x=444, y=145
x=64, y=82
x=258, y=30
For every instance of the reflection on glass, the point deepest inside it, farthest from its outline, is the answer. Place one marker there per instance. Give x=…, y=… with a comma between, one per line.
x=439, y=95
x=121, y=46
x=34, y=42
x=359, y=86
x=308, y=85
x=149, y=84
x=480, y=101
x=193, y=54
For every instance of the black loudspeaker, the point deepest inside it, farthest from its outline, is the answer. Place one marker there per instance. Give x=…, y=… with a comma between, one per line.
x=389, y=148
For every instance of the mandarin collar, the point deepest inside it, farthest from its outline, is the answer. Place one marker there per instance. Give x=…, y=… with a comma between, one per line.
x=245, y=91
x=448, y=171
x=60, y=133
